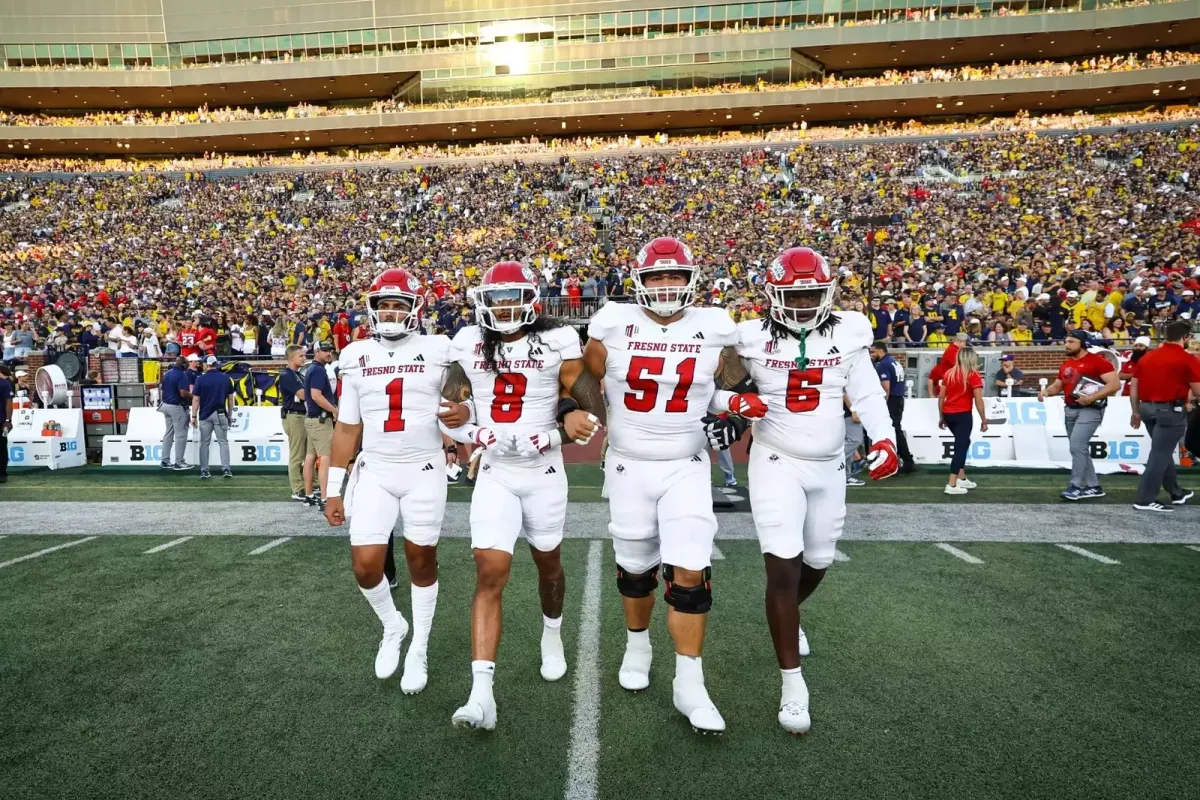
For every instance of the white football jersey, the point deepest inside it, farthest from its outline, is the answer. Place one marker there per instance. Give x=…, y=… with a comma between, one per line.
x=659, y=378
x=395, y=394
x=522, y=399
x=804, y=407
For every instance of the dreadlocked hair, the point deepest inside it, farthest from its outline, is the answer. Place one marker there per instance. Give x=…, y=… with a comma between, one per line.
x=492, y=339
x=782, y=332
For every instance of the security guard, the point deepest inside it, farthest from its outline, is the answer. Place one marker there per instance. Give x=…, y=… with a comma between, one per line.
x=1158, y=394
x=320, y=403
x=176, y=397
x=212, y=410
x=6, y=396
x=291, y=395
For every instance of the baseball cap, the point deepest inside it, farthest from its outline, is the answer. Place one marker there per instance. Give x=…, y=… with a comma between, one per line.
x=1072, y=294
x=1008, y=357
x=1083, y=336
x=211, y=361
x=324, y=347
x=1142, y=340
x=193, y=357
x=1188, y=293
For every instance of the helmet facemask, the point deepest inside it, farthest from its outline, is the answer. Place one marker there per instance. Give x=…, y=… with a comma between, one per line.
x=665, y=300
x=505, y=307
x=393, y=314
x=802, y=306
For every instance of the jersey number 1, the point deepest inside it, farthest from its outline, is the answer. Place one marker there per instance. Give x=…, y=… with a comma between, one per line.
x=648, y=387
x=803, y=389
x=395, y=393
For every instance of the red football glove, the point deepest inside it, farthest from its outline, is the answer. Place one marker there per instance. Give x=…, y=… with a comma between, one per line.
x=748, y=405
x=882, y=460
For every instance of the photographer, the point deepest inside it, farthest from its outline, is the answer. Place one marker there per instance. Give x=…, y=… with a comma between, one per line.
x=1086, y=381
x=320, y=404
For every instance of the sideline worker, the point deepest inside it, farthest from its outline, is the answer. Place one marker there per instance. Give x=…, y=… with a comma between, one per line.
x=1086, y=381
x=891, y=376
x=6, y=395
x=321, y=413
x=1159, y=396
x=176, y=391
x=291, y=395
x=212, y=407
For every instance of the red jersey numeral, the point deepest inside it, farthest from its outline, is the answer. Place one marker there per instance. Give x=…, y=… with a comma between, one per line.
x=509, y=398
x=645, y=389
x=395, y=392
x=803, y=389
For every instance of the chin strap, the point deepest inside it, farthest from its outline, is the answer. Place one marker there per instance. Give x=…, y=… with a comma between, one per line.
x=802, y=359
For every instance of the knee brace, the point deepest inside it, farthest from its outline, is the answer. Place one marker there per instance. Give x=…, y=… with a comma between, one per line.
x=688, y=599
x=632, y=584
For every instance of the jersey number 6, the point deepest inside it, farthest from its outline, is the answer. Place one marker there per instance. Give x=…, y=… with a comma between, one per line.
x=645, y=390
x=803, y=389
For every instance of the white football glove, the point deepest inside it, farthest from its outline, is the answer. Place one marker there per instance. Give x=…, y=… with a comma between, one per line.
x=486, y=439
x=538, y=444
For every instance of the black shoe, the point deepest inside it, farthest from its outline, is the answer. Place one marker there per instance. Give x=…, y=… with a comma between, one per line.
x=321, y=505
x=908, y=468
x=300, y=497
x=205, y=474
x=226, y=473
x=1183, y=498
x=3, y=479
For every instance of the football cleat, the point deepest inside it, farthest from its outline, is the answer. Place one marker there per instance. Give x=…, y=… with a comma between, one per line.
x=635, y=668
x=793, y=705
x=300, y=497
x=554, y=662
x=477, y=714
x=804, y=648
x=691, y=700
x=388, y=657
x=416, y=672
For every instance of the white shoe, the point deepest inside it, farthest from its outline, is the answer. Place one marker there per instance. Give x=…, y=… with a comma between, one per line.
x=416, y=675
x=477, y=714
x=554, y=663
x=388, y=657
x=804, y=648
x=966, y=484
x=691, y=700
x=960, y=489
x=793, y=706
x=635, y=669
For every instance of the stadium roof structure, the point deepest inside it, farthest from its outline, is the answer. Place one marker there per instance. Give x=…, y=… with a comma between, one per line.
x=590, y=52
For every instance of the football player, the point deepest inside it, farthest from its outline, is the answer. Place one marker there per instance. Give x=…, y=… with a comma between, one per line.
x=658, y=359
x=801, y=359
x=531, y=396
x=392, y=388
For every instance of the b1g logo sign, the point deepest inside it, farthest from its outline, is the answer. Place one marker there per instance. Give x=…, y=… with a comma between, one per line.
x=68, y=447
x=980, y=451
x=145, y=452
x=1114, y=451
x=16, y=454
x=263, y=453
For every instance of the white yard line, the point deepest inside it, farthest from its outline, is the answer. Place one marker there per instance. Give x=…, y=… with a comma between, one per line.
x=1089, y=554
x=838, y=555
x=717, y=555
x=165, y=545
x=1192, y=547
x=954, y=551
x=44, y=552
x=270, y=544
x=583, y=754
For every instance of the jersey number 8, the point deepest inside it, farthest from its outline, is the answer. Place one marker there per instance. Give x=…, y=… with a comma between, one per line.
x=509, y=396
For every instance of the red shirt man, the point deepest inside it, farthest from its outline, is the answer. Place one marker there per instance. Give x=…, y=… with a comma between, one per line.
x=1165, y=374
x=341, y=332
x=1075, y=369
x=187, y=341
x=206, y=340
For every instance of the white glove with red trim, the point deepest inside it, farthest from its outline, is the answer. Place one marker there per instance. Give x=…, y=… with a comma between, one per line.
x=538, y=444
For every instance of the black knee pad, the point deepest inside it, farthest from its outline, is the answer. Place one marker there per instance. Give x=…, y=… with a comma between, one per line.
x=634, y=584
x=688, y=599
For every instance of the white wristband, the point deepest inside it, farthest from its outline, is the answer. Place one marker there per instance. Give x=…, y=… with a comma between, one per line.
x=337, y=476
x=720, y=401
x=555, y=439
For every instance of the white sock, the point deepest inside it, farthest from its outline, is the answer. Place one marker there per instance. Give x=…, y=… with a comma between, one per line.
x=381, y=601
x=424, y=603
x=482, y=673
x=794, y=688
x=637, y=640
x=551, y=626
x=689, y=668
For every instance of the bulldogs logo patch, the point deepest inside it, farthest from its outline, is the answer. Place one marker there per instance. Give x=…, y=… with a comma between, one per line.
x=528, y=273
x=777, y=271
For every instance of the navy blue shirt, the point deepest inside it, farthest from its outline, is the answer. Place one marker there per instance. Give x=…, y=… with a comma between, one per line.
x=316, y=378
x=889, y=370
x=880, y=319
x=6, y=396
x=172, y=382
x=290, y=384
x=213, y=388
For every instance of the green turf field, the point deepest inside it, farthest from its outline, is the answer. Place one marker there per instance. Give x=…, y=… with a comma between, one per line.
x=100, y=484
x=204, y=671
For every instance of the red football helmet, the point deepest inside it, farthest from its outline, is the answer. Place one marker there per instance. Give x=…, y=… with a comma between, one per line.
x=800, y=287
x=394, y=284
x=507, y=299
x=662, y=256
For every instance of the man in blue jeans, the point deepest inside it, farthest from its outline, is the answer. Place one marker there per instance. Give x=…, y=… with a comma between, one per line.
x=176, y=397
x=212, y=407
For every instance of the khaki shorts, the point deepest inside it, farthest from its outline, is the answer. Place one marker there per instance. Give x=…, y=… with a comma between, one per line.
x=320, y=436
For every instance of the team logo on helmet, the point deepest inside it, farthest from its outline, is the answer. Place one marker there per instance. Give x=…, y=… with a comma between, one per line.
x=778, y=270
x=412, y=284
x=528, y=273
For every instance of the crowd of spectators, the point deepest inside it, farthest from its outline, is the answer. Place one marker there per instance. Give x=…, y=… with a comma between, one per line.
x=1018, y=69
x=1022, y=237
